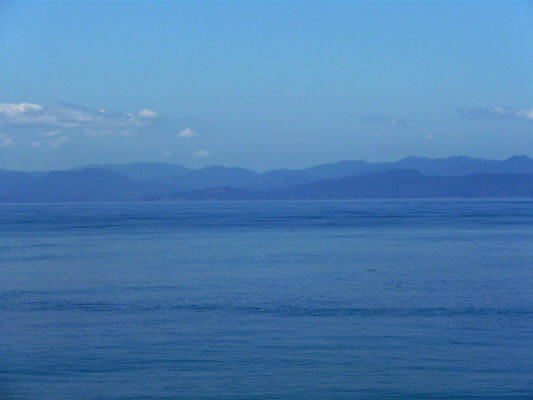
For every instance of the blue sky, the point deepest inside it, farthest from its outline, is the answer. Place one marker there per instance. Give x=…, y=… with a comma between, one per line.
x=262, y=84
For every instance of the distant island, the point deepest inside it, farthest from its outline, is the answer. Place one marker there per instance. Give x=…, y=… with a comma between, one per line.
x=411, y=177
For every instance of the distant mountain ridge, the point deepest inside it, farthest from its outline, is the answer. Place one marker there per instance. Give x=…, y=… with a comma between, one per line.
x=142, y=171
x=452, y=166
x=185, y=179
x=409, y=177
x=90, y=184
x=393, y=184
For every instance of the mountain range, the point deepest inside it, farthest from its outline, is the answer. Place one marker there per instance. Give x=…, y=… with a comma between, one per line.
x=412, y=177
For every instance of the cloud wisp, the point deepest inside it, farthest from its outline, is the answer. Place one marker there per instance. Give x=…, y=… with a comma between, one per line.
x=5, y=141
x=148, y=114
x=187, y=133
x=201, y=154
x=391, y=122
x=57, y=142
x=496, y=113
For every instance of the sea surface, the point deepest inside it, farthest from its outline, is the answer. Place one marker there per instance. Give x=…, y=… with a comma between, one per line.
x=267, y=300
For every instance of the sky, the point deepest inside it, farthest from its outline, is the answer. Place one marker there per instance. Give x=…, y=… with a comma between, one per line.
x=262, y=85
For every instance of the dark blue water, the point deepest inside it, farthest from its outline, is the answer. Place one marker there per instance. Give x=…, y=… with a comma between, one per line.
x=267, y=300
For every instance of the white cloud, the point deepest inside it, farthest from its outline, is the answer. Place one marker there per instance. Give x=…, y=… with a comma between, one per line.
x=166, y=154
x=187, y=133
x=49, y=119
x=5, y=141
x=429, y=136
x=525, y=114
x=201, y=154
x=36, y=144
x=391, y=122
x=148, y=114
x=13, y=110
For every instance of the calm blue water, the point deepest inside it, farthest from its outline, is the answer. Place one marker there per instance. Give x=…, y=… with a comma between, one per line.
x=267, y=300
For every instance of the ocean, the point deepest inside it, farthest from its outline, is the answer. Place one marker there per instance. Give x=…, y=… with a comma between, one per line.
x=411, y=299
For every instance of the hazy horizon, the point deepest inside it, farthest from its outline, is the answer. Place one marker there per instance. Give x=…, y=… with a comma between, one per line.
x=275, y=168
